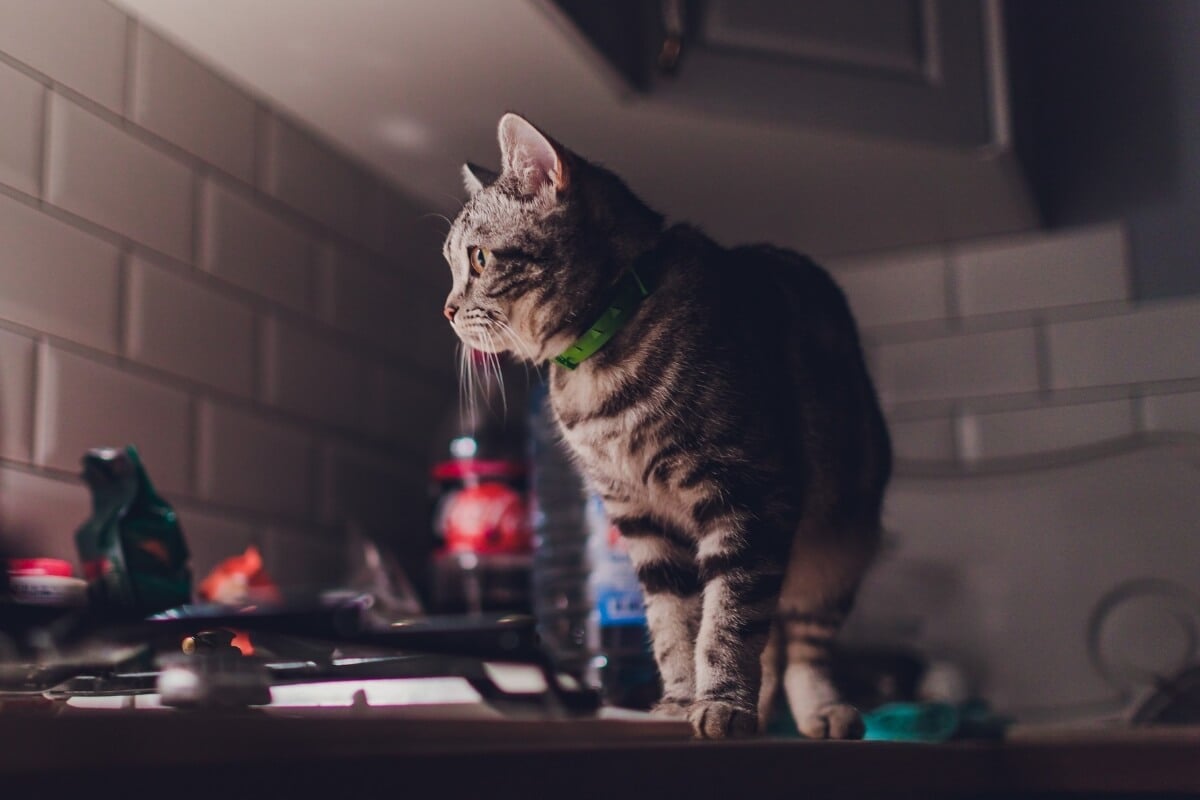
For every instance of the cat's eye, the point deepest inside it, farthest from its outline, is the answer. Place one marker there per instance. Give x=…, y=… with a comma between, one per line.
x=480, y=257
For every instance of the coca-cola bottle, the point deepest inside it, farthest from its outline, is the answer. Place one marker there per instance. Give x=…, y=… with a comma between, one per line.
x=483, y=545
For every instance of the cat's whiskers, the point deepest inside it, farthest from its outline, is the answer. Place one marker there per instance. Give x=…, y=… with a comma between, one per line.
x=493, y=361
x=442, y=217
x=510, y=336
x=472, y=407
x=463, y=381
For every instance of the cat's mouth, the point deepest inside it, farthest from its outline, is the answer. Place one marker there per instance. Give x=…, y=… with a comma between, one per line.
x=481, y=336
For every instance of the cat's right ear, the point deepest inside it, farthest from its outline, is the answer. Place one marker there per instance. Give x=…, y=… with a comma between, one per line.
x=531, y=156
x=476, y=177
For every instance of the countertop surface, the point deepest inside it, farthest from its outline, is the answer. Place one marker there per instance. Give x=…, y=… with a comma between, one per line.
x=183, y=755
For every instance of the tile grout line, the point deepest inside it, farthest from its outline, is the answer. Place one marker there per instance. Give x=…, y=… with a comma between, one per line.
x=176, y=152
x=193, y=472
x=124, y=331
x=197, y=221
x=246, y=514
x=950, y=287
x=1137, y=396
x=257, y=356
x=1041, y=344
x=339, y=337
x=129, y=67
x=44, y=167
x=261, y=145
x=319, y=477
x=266, y=336
x=278, y=416
x=36, y=412
x=955, y=435
x=319, y=271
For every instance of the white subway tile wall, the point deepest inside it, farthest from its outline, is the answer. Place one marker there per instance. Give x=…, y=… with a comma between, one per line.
x=248, y=245
x=1084, y=266
x=394, y=399
x=181, y=325
x=85, y=403
x=96, y=170
x=16, y=395
x=159, y=232
x=923, y=439
x=368, y=491
x=1156, y=343
x=183, y=267
x=965, y=365
x=887, y=290
x=305, y=173
x=1006, y=434
x=303, y=559
x=179, y=99
x=58, y=279
x=21, y=98
x=361, y=298
x=78, y=43
x=1178, y=411
x=307, y=375
x=213, y=537
x=250, y=461
x=1020, y=346
x=39, y=513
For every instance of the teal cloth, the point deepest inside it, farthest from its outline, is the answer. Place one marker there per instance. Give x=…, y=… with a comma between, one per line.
x=912, y=722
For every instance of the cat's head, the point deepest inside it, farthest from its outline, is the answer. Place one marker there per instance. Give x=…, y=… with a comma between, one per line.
x=536, y=245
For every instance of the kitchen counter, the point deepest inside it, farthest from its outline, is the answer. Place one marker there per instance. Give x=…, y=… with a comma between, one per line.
x=191, y=755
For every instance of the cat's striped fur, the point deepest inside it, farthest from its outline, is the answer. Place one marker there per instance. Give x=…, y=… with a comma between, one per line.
x=730, y=426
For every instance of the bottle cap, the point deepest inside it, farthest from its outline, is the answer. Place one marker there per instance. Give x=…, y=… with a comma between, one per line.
x=22, y=567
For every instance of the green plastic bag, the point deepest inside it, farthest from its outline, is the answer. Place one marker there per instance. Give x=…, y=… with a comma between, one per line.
x=132, y=548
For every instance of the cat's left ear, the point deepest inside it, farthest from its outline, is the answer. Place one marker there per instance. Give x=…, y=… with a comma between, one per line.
x=531, y=155
x=476, y=177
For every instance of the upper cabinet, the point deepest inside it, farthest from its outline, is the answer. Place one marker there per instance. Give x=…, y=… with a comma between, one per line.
x=928, y=72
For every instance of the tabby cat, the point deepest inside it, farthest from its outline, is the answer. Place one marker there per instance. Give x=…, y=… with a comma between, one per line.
x=717, y=400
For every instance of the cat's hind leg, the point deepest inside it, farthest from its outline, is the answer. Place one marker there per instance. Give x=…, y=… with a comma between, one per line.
x=817, y=596
x=818, y=710
x=772, y=667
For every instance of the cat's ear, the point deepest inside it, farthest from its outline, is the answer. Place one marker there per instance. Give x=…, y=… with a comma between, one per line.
x=476, y=177
x=531, y=155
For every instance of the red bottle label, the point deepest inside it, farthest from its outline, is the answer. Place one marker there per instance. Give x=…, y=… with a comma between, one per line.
x=486, y=518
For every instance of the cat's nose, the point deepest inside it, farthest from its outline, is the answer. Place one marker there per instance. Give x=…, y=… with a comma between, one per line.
x=448, y=312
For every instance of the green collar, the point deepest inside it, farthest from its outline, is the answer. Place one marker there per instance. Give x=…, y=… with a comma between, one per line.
x=627, y=295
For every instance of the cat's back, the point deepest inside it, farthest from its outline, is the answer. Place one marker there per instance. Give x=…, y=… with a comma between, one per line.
x=778, y=293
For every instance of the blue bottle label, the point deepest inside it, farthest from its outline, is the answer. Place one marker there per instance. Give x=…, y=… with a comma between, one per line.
x=620, y=607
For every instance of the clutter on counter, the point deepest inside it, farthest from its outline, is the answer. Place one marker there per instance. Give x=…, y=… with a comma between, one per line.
x=131, y=547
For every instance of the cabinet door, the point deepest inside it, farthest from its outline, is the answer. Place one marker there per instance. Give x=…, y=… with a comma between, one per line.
x=923, y=71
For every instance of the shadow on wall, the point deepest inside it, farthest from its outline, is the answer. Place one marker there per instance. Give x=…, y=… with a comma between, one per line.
x=1107, y=95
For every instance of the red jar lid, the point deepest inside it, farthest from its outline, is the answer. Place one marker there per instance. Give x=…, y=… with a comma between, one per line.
x=40, y=566
x=478, y=468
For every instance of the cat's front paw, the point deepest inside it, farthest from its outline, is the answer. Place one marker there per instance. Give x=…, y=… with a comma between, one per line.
x=716, y=719
x=833, y=721
x=671, y=708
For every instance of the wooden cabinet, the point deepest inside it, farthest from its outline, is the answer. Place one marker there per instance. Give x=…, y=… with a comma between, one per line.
x=920, y=71
x=871, y=123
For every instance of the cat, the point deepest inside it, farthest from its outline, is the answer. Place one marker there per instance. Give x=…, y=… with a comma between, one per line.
x=717, y=400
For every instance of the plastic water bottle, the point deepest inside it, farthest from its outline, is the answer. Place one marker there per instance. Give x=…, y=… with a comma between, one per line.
x=560, y=571
x=622, y=665
x=586, y=595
